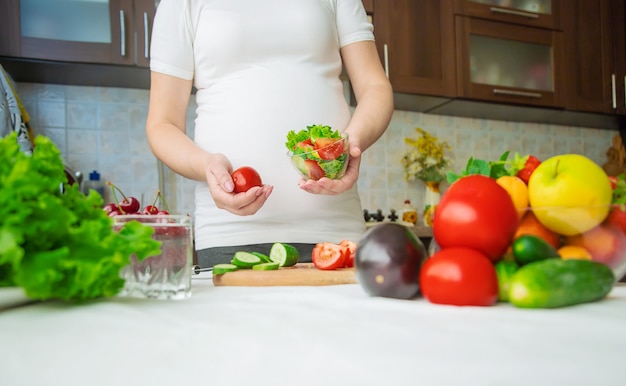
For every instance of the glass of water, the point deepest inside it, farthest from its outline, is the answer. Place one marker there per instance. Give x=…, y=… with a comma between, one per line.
x=168, y=275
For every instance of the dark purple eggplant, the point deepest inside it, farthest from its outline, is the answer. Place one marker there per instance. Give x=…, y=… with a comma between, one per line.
x=388, y=261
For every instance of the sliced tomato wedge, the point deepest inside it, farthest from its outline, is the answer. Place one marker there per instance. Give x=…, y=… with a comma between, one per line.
x=314, y=171
x=307, y=145
x=329, y=148
x=328, y=256
x=350, y=252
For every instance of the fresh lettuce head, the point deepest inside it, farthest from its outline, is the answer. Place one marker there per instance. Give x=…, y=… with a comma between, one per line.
x=59, y=243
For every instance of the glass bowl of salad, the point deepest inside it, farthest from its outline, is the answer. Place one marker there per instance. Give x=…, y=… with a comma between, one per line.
x=318, y=151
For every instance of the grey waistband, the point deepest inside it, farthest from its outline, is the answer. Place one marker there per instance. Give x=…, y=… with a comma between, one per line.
x=218, y=255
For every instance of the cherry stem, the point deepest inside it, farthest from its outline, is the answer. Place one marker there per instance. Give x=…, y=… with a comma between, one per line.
x=164, y=201
x=156, y=198
x=113, y=189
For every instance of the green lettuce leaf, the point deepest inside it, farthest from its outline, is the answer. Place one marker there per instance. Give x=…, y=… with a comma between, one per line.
x=58, y=243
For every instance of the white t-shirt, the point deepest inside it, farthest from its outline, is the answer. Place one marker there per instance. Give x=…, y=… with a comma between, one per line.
x=261, y=69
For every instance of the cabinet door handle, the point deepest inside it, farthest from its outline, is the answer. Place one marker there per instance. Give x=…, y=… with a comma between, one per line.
x=517, y=93
x=613, y=92
x=625, y=91
x=514, y=13
x=146, y=37
x=122, y=34
x=386, y=59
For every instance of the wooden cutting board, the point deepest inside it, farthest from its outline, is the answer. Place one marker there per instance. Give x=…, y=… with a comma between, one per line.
x=302, y=274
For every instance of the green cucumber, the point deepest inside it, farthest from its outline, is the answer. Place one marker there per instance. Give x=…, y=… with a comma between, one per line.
x=264, y=258
x=530, y=248
x=555, y=283
x=284, y=254
x=505, y=270
x=298, y=162
x=245, y=259
x=220, y=269
x=266, y=267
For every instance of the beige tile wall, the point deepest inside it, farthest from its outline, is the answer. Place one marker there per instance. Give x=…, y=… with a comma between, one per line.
x=103, y=129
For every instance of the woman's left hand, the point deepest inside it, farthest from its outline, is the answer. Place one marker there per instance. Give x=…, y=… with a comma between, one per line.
x=333, y=187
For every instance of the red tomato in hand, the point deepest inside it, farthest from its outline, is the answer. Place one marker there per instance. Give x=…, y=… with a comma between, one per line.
x=329, y=148
x=245, y=178
x=460, y=277
x=350, y=252
x=328, y=256
x=476, y=212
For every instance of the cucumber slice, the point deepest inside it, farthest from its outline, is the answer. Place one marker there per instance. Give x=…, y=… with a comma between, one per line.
x=298, y=161
x=220, y=269
x=266, y=267
x=264, y=258
x=284, y=254
x=245, y=259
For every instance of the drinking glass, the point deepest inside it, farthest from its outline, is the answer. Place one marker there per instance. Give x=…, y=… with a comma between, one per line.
x=168, y=275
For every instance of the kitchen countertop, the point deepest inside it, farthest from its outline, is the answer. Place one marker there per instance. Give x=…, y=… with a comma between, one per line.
x=328, y=335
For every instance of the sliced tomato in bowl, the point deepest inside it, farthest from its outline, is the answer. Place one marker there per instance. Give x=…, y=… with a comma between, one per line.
x=329, y=148
x=328, y=256
x=313, y=169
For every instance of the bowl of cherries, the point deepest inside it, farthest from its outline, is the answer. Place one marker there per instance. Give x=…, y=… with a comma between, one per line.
x=129, y=205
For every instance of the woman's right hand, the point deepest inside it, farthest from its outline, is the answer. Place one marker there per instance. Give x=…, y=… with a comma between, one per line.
x=218, y=176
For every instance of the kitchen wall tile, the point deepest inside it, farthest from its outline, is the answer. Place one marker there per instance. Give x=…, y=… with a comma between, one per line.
x=58, y=137
x=50, y=92
x=82, y=94
x=82, y=115
x=50, y=113
x=113, y=116
x=104, y=129
x=114, y=142
x=83, y=141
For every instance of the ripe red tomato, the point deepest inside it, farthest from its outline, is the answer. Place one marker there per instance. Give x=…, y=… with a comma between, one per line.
x=328, y=256
x=329, y=148
x=350, y=252
x=476, y=212
x=460, y=277
x=245, y=178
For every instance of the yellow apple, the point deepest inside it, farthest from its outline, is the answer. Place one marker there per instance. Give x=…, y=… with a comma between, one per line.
x=569, y=194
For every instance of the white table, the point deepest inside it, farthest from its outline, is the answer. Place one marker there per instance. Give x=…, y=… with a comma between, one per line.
x=335, y=335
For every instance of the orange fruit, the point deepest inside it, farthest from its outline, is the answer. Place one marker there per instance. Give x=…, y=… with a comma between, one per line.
x=529, y=225
x=517, y=189
x=574, y=252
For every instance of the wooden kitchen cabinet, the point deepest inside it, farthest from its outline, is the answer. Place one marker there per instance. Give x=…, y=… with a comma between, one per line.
x=533, y=13
x=415, y=40
x=509, y=63
x=96, y=31
x=596, y=50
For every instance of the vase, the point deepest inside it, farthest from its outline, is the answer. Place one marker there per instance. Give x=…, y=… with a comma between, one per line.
x=431, y=200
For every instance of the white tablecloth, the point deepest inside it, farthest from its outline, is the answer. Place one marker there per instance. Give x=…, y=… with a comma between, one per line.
x=335, y=335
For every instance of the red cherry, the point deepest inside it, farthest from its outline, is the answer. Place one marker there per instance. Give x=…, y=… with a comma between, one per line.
x=150, y=209
x=129, y=205
x=114, y=212
x=108, y=208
